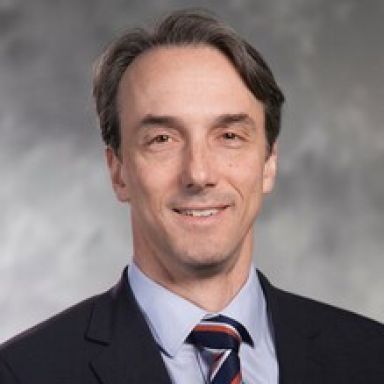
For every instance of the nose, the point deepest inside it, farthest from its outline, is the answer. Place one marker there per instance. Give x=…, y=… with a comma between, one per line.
x=198, y=170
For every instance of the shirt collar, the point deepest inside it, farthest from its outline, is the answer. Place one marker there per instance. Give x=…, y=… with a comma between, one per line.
x=248, y=307
x=164, y=310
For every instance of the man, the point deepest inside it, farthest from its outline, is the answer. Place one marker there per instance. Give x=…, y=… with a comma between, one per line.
x=190, y=114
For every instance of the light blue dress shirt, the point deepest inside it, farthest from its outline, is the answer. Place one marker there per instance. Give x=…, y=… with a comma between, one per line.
x=171, y=318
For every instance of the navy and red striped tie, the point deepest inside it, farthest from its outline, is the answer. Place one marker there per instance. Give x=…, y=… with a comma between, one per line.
x=221, y=336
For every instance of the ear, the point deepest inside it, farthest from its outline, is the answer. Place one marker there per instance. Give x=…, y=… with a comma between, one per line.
x=270, y=169
x=115, y=167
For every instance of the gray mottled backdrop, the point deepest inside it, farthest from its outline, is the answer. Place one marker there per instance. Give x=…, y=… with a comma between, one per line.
x=64, y=237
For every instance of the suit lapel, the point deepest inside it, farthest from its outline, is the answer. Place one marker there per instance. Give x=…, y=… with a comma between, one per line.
x=130, y=354
x=295, y=337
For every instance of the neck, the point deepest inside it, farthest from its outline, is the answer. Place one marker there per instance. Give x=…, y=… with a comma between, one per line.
x=211, y=290
x=213, y=293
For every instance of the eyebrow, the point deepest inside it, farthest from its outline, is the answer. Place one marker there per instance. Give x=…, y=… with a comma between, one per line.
x=230, y=119
x=165, y=121
x=224, y=120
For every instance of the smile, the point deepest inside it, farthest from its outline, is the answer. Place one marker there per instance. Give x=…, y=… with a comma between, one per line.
x=199, y=212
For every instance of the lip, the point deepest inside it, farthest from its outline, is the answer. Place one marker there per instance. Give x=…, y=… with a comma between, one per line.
x=200, y=208
x=201, y=220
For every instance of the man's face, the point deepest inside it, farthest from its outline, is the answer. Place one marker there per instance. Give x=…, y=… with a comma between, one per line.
x=194, y=162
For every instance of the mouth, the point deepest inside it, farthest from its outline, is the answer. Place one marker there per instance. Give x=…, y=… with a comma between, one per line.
x=200, y=212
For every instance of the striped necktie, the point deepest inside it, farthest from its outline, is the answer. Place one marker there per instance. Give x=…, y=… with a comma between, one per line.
x=221, y=336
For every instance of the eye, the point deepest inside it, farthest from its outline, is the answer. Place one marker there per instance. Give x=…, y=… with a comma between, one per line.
x=159, y=139
x=230, y=136
x=232, y=139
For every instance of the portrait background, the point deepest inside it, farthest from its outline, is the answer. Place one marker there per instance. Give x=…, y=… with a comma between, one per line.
x=63, y=235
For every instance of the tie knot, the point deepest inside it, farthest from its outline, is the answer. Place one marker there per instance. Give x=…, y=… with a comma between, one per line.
x=219, y=333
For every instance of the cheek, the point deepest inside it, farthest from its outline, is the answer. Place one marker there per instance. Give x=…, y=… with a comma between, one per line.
x=246, y=175
x=150, y=183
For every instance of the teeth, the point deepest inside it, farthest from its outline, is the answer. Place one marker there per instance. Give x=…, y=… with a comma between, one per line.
x=199, y=212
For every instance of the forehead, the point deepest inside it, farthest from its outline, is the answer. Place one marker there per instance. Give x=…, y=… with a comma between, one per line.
x=190, y=80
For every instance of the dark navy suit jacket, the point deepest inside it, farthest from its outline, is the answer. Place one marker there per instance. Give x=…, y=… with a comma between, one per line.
x=106, y=340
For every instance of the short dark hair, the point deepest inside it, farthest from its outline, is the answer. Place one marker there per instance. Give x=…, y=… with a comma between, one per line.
x=181, y=28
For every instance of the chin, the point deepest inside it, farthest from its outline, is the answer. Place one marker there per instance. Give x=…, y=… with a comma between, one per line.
x=207, y=265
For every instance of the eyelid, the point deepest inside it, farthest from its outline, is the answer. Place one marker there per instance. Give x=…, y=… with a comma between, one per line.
x=159, y=130
x=232, y=132
x=153, y=139
x=230, y=136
